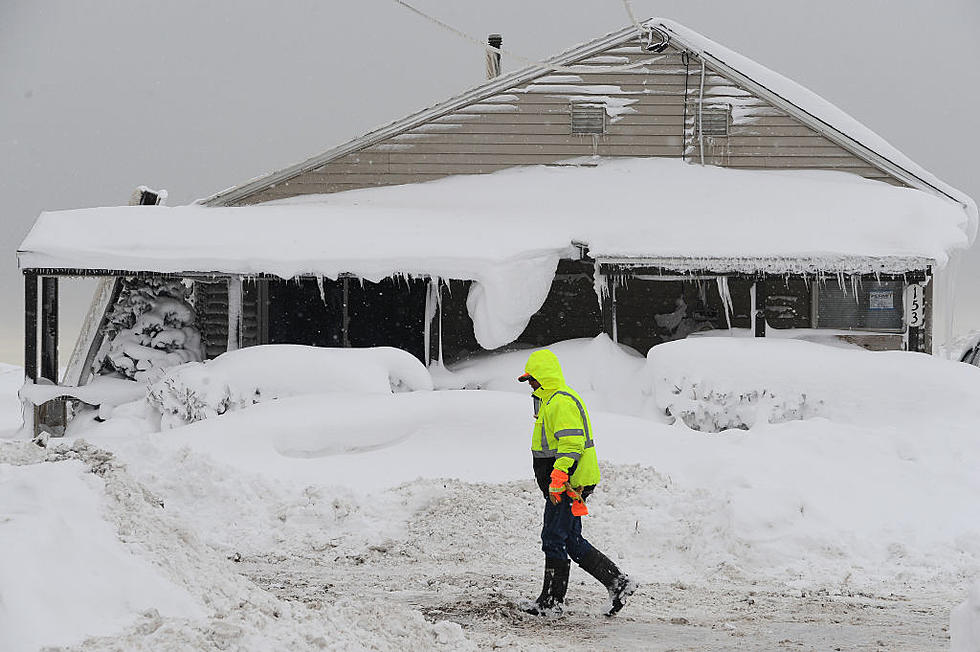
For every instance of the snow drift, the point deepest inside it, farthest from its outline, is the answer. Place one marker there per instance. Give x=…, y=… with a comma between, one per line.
x=234, y=380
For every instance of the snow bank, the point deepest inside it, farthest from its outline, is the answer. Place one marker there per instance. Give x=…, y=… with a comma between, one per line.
x=64, y=572
x=718, y=383
x=608, y=375
x=111, y=602
x=876, y=492
x=964, y=623
x=106, y=391
x=238, y=379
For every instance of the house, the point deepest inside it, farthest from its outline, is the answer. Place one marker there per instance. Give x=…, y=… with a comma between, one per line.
x=648, y=184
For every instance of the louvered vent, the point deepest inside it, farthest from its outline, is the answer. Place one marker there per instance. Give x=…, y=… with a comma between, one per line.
x=715, y=120
x=588, y=119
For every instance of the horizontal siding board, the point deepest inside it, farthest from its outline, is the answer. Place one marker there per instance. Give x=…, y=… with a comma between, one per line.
x=616, y=134
x=662, y=146
x=751, y=130
x=550, y=101
x=497, y=160
x=536, y=143
x=650, y=115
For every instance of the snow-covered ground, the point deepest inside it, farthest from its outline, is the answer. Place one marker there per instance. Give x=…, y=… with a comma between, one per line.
x=839, y=513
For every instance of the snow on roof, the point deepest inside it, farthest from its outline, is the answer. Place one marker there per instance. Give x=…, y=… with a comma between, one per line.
x=507, y=230
x=643, y=207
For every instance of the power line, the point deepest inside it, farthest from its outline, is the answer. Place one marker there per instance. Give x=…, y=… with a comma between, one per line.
x=527, y=60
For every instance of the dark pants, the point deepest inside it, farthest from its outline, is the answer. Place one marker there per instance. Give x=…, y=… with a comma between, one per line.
x=561, y=536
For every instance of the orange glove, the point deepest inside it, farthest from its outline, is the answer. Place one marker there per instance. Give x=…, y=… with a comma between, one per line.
x=578, y=505
x=557, y=487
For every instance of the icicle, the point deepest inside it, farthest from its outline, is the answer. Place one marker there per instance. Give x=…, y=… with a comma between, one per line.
x=855, y=287
x=439, y=313
x=234, y=312
x=431, y=300
x=752, y=307
x=702, y=291
x=701, y=114
x=726, y=299
x=319, y=285
x=599, y=284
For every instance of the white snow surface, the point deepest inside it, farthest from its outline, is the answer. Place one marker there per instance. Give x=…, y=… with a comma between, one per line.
x=388, y=497
x=65, y=572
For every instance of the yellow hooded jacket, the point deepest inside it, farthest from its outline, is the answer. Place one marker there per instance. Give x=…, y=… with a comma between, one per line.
x=562, y=429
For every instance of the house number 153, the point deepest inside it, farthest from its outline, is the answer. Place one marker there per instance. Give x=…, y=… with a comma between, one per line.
x=914, y=305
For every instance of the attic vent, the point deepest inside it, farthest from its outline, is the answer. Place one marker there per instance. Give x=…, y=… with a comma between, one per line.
x=715, y=120
x=588, y=119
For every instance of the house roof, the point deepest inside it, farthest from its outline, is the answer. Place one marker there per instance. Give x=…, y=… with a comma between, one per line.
x=619, y=208
x=518, y=223
x=793, y=98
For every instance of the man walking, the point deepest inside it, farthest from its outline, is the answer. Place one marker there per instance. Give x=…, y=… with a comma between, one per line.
x=567, y=471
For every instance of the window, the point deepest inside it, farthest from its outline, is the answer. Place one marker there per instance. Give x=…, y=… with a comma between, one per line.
x=714, y=120
x=588, y=119
x=865, y=304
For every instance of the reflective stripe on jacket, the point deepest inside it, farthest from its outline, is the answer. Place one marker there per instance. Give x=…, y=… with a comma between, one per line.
x=562, y=429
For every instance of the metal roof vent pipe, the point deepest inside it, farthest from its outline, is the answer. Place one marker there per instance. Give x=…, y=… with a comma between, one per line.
x=494, y=41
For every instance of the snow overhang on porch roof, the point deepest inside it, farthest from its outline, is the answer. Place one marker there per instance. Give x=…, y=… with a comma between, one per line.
x=472, y=226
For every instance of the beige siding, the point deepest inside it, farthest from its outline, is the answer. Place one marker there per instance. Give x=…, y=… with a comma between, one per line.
x=652, y=110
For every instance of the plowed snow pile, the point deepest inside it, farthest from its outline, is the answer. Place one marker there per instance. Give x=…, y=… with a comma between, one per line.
x=379, y=520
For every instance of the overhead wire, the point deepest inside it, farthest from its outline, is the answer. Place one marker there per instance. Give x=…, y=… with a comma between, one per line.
x=574, y=69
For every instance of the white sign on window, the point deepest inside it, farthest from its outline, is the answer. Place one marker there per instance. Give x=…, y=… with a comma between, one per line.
x=915, y=310
x=882, y=300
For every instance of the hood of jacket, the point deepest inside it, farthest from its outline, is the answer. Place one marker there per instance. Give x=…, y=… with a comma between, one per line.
x=543, y=365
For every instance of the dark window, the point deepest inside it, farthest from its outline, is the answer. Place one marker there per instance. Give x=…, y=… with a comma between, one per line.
x=862, y=304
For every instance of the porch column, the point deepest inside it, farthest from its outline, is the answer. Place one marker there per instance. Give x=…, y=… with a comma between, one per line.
x=759, y=306
x=49, y=328
x=608, y=307
x=30, y=327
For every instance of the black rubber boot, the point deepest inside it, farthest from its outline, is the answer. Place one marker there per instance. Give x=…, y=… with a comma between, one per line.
x=617, y=583
x=553, y=590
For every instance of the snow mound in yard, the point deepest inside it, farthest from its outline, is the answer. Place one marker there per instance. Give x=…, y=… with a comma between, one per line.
x=714, y=384
x=606, y=374
x=112, y=567
x=64, y=572
x=234, y=380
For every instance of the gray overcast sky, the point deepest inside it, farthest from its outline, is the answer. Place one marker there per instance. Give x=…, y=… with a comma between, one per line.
x=97, y=98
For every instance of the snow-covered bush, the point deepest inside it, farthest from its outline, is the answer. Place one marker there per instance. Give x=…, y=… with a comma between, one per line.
x=237, y=379
x=964, y=622
x=151, y=328
x=703, y=407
